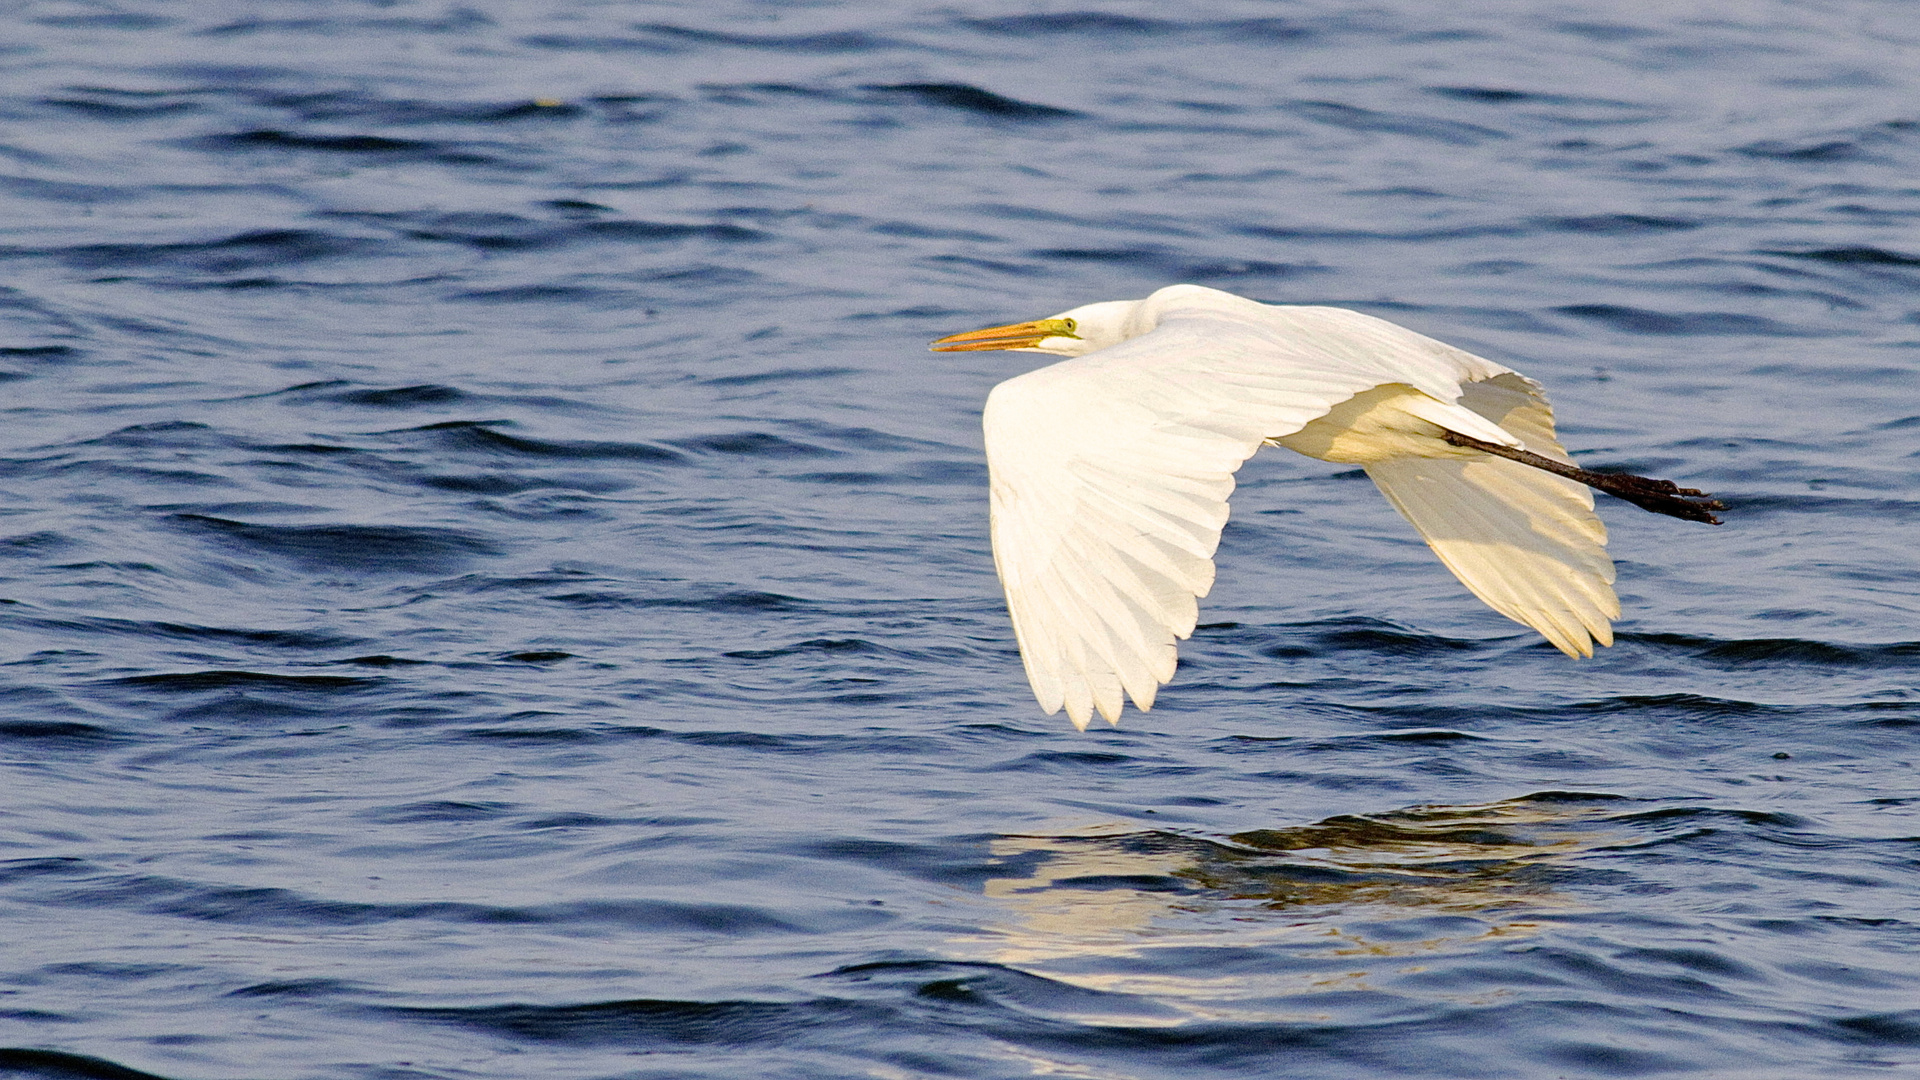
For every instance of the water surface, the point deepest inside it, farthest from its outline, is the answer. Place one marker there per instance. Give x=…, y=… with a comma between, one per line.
x=493, y=585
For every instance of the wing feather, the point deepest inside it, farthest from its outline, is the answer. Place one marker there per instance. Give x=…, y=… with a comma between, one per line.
x=1524, y=541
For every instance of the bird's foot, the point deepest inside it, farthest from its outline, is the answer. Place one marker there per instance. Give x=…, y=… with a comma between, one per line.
x=1658, y=496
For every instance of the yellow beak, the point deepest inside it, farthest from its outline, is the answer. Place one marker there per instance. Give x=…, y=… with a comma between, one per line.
x=1013, y=336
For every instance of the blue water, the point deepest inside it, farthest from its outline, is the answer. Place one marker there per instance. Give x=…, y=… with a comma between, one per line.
x=493, y=585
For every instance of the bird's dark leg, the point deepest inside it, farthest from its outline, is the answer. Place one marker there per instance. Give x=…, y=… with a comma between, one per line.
x=1659, y=496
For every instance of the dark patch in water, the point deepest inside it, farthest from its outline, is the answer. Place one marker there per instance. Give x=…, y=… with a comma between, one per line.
x=55, y=730
x=1851, y=256
x=480, y=435
x=57, y=1065
x=753, y=444
x=1481, y=93
x=825, y=645
x=1354, y=118
x=745, y=603
x=352, y=144
x=402, y=397
x=33, y=545
x=1434, y=735
x=1788, y=650
x=1070, y=22
x=295, y=989
x=198, y=681
x=1615, y=224
x=974, y=100
x=396, y=549
x=1688, y=704
x=642, y=1023
x=44, y=352
x=1895, y=1028
x=849, y=41
x=1828, y=150
x=1394, y=642
x=246, y=251
x=1641, y=321
x=445, y=810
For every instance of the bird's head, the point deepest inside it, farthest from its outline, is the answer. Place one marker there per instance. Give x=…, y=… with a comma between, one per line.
x=1070, y=333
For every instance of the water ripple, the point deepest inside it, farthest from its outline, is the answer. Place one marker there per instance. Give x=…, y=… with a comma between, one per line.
x=485, y=553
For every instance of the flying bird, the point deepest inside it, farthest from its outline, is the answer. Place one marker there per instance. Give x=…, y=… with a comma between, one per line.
x=1110, y=473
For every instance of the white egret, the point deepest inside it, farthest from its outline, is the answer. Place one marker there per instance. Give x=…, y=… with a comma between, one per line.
x=1111, y=470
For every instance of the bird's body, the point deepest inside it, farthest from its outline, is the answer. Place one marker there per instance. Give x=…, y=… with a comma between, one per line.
x=1111, y=470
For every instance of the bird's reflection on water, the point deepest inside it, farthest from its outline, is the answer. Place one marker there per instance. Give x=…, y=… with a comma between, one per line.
x=1095, y=905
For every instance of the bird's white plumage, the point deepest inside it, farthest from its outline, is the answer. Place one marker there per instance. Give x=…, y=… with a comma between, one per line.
x=1524, y=541
x=1111, y=472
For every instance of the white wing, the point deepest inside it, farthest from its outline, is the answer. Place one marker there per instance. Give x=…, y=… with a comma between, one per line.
x=1111, y=471
x=1525, y=541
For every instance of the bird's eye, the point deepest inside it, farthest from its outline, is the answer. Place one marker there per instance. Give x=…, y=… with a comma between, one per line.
x=1071, y=325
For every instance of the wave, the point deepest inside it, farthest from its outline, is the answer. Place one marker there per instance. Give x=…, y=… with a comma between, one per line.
x=1355, y=118
x=1636, y=320
x=55, y=735
x=360, y=549
x=1740, y=653
x=657, y=1022
x=24, y=1062
x=1859, y=255
x=972, y=99
x=1115, y=29
x=844, y=41
x=202, y=681
x=306, y=640
x=481, y=435
x=70, y=881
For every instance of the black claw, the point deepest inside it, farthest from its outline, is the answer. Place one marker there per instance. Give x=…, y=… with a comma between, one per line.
x=1672, y=507
x=1657, y=496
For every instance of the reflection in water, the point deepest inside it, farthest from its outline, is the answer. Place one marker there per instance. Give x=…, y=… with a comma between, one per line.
x=1093, y=907
x=1453, y=859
